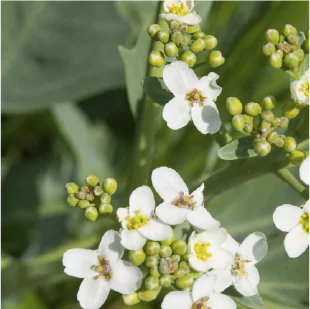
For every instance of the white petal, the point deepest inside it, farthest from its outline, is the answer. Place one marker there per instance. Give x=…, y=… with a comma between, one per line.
x=209, y=87
x=110, y=246
x=199, y=265
x=156, y=230
x=286, y=217
x=171, y=214
x=304, y=171
x=179, y=78
x=202, y=219
x=220, y=258
x=220, y=301
x=247, y=286
x=132, y=239
x=198, y=195
x=122, y=213
x=189, y=4
x=231, y=245
x=177, y=113
x=177, y=300
x=126, y=277
x=223, y=279
x=168, y=183
x=191, y=19
x=306, y=207
x=203, y=287
x=93, y=293
x=78, y=262
x=215, y=236
x=142, y=199
x=296, y=242
x=206, y=118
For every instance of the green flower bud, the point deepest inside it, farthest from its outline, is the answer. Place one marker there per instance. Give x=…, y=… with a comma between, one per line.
x=171, y=49
x=267, y=116
x=152, y=30
x=91, y=213
x=164, y=269
x=89, y=197
x=179, y=273
x=296, y=157
x=184, y=282
x=183, y=28
x=151, y=261
x=105, y=198
x=265, y=125
x=289, y=29
x=151, y=283
x=179, y=247
x=253, y=109
x=137, y=257
x=280, y=52
x=131, y=299
x=168, y=241
x=105, y=208
x=162, y=36
x=165, y=281
x=195, y=274
x=84, y=189
x=282, y=38
x=291, y=60
x=98, y=191
x=198, y=45
x=289, y=144
x=269, y=103
x=269, y=49
x=154, y=272
x=238, y=122
x=185, y=257
x=198, y=35
x=81, y=195
x=91, y=180
x=216, y=59
x=176, y=37
x=109, y=185
x=272, y=36
x=275, y=60
x=293, y=39
x=71, y=188
x=234, y=106
x=175, y=258
x=165, y=251
x=148, y=296
x=184, y=265
x=174, y=25
x=157, y=59
x=185, y=41
x=262, y=148
x=284, y=123
x=248, y=127
x=189, y=57
x=83, y=204
x=300, y=54
x=290, y=111
x=72, y=200
x=193, y=28
x=279, y=142
x=174, y=267
x=273, y=137
x=210, y=41
x=305, y=46
x=152, y=248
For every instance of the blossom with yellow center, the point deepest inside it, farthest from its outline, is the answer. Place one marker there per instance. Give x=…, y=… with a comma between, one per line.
x=201, y=250
x=300, y=89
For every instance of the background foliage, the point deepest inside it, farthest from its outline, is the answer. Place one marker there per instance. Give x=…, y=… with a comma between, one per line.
x=72, y=103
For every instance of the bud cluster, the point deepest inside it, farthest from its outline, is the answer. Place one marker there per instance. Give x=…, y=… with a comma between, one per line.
x=183, y=42
x=92, y=197
x=259, y=120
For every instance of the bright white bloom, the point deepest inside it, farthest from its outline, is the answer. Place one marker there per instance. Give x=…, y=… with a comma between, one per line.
x=242, y=273
x=202, y=297
x=137, y=222
x=300, y=89
x=304, y=171
x=193, y=98
x=178, y=204
x=205, y=251
x=295, y=221
x=102, y=270
x=181, y=11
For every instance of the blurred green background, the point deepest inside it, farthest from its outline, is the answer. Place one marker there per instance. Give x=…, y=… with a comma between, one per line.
x=67, y=111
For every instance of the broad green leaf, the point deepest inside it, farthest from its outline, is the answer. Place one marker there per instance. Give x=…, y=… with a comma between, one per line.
x=251, y=302
x=305, y=65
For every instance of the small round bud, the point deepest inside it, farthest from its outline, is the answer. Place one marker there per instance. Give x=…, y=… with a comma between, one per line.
x=131, y=299
x=238, y=122
x=165, y=251
x=296, y=157
x=91, y=180
x=198, y=45
x=89, y=197
x=184, y=265
x=91, y=213
x=152, y=248
x=293, y=39
x=267, y=116
x=179, y=247
x=272, y=36
x=193, y=28
x=175, y=258
x=300, y=54
x=275, y=60
x=148, y=296
x=152, y=30
x=185, y=257
x=289, y=29
x=253, y=109
x=189, y=57
x=81, y=195
x=183, y=28
x=290, y=111
x=185, y=41
x=162, y=36
x=72, y=200
x=279, y=142
x=105, y=209
x=151, y=261
x=157, y=59
x=105, y=198
x=305, y=46
x=265, y=125
x=98, y=191
x=84, y=189
x=291, y=60
x=174, y=25
x=165, y=281
x=154, y=272
x=71, y=188
x=151, y=283
x=179, y=273
x=171, y=49
x=269, y=103
x=284, y=123
x=262, y=148
x=269, y=49
x=168, y=241
x=210, y=41
x=174, y=266
x=195, y=274
x=109, y=186
x=216, y=59
x=198, y=35
x=184, y=282
x=137, y=257
x=234, y=106
x=83, y=204
x=164, y=269
x=248, y=127
x=289, y=144
x=280, y=52
x=272, y=137
x=176, y=37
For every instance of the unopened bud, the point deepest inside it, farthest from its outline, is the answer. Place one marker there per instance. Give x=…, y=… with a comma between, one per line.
x=305, y=46
x=151, y=261
x=152, y=248
x=248, y=127
x=198, y=45
x=267, y=116
x=289, y=144
x=184, y=41
x=290, y=111
x=184, y=265
x=184, y=282
x=184, y=28
x=279, y=142
x=238, y=122
x=131, y=299
x=105, y=208
x=293, y=39
x=288, y=30
x=175, y=258
x=193, y=28
x=72, y=200
x=262, y=148
x=157, y=59
x=210, y=41
x=83, y=204
x=264, y=126
x=272, y=36
x=269, y=49
x=179, y=247
x=91, y=213
x=137, y=257
x=275, y=60
x=272, y=137
x=176, y=37
x=269, y=103
x=185, y=257
x=195, y=274
x=216, y=59
x=109, y=186
x=291, y=60
x=71, y=188
x=234, y=106
x=253, y=109
x=91, y=180
x=165, y=281
x=154, y=272
x=296, y=157
x=171, y=49
x=162, y=36
x=168, y=241
x=198, y=35
x=81, y=195
x=189, y=57
x=174, y=266
x=174, y=25
x=105, y=198
x=179, y=273
x=89, y=197
x=164, y=269
x=284, y=123
x=148, y=296
x=98, y=191
x=152, y=30
x=300, y=54
x=84, y=189
x=165, y=251
x=151, y=283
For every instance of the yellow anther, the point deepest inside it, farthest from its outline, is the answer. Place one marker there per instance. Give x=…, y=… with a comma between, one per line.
x=304, y=221
x=99, y=268
x=137, y=221
x=178, y=10
x=305, y=89
x=201, y=250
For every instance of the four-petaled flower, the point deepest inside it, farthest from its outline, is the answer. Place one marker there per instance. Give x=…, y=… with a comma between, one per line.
x=304, y=171
x=203, y=296
x=295, y=221
x=193, y=99
x=102, y=270
x=178, y=204
x=300, y=89
x=181, y=11
x=137, y=222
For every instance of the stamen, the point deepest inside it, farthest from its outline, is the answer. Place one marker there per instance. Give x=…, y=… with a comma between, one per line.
x=195, y=97
x=103, y=269
x=305, y=89
x=304, y=221
x=200, y=303
x=239, y=266
x=201, y=250
x=180, y=10
x=185, y=201
x=137, y=221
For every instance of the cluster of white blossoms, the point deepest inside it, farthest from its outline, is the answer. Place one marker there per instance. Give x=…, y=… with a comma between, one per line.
x=300, y=89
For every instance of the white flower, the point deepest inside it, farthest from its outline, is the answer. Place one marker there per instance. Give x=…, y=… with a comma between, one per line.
x=242, y=273
x=304, y=171
x=102, y=270
x=202, y=296
x=193, y=98
x=300, y=89
x=205, y=251
x=178, y=204
x=181, y=11
x=295, y=221
x=137, y=222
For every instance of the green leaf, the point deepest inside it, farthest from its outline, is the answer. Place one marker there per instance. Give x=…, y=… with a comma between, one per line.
x=238, y=149
x=305, y=65
x=251, y=302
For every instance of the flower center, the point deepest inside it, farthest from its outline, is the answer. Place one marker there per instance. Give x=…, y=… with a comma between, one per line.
x=195, y=97
x=201, y=303
x=202, y=251
x=180, y=10
x=103, y=269
x=304, y=221
x=137, y=221
x=185, y=201
x=239, y=266
x=304, y=88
